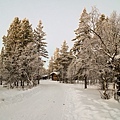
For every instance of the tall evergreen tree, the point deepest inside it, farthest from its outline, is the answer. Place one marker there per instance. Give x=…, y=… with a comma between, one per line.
x=55, y=62
x=63, y=61
x=56, y=53
x=10, y=52
x=39, y=40
x=82, y=44
x=40, y=45
x=82, y=33
x=26, y=39
x=18, y=36
x=26, y=33
x=13, y=35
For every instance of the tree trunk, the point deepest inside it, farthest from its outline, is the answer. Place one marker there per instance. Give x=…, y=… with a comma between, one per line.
x=38, y=82
x=85, y=77
x=17, y=84
x=0, y=82
x=23, y=84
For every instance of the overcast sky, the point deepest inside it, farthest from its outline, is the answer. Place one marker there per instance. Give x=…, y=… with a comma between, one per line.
x=59, y=17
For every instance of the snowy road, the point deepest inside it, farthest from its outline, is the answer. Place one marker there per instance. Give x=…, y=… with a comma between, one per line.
x=46, y=102
x=56, y=101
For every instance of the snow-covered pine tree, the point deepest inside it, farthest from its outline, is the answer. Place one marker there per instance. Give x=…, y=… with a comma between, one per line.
x=40, y=45
x=19, y=35
x=26, y=48
x=56, y=53
x=10, y=52
x=39, y=40
x=82, y=32
x=13, y=35
x=1, y=65
x=82, y=44
x=64, y=60
x=56, y=65
x=1, y=70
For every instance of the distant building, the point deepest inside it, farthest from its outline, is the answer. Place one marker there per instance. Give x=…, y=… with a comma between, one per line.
x=55, y=76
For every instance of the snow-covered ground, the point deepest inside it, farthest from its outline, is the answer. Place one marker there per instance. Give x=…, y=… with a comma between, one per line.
x=56, y=101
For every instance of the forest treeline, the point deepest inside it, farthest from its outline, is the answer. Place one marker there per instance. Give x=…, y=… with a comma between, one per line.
x=95, y=55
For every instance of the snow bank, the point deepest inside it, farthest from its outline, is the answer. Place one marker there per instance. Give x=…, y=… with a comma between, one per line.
x=86, y=104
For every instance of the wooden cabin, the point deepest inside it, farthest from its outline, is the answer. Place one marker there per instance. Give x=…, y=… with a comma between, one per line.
x=55, y=76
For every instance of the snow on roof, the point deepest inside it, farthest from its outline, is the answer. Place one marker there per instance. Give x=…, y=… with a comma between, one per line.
x=57, y=73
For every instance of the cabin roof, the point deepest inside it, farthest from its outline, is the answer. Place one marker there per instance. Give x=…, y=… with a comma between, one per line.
x=57, y=73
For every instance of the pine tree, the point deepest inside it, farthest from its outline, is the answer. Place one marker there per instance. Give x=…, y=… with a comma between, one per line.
x=1, y=65
x=18, y=36
x=39, y=40
x=56, y=64
x=64, y=60
x=26, y=40
x=40, y=44
x=56, y=53
x=13, y=36
x=82, y=33
x=10, y=52
x=82, y=43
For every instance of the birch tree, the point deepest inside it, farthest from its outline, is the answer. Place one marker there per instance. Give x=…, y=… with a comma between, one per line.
x=106, y=33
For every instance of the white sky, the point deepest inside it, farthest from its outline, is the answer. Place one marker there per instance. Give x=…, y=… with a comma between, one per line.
x=59, y=17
